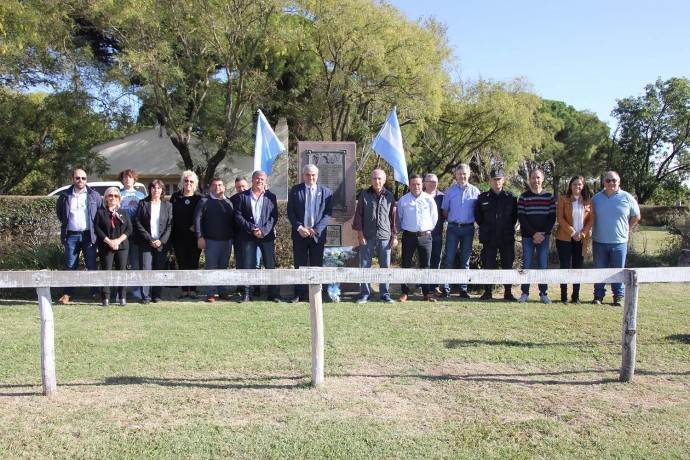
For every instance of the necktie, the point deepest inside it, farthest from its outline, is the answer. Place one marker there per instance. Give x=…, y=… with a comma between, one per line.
x=309, y=214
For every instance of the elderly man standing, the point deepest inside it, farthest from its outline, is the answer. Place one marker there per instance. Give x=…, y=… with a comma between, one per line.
x=309, y=208
x=76, y=210
x=616, y=212
x=496, y=215
x=375, y=221
x=537, y=215
x=256, y=216
x=417, y=216
x=213, y=221
x=458, y=208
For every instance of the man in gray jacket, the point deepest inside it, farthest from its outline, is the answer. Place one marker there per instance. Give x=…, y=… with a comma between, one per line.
x=376, y=224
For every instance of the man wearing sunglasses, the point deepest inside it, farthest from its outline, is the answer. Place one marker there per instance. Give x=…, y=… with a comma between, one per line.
x=616, y=213
x=76, y=209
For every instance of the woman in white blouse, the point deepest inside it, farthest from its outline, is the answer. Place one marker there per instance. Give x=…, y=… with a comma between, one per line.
x=575, y=217
x=153, y=226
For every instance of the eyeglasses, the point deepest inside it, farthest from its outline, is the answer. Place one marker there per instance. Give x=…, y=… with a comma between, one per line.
x=112, y=195
x=610, y=181
x=188, y=181
x=79, y=178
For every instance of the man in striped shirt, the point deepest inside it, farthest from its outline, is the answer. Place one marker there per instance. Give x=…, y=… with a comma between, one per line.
x=537, y=216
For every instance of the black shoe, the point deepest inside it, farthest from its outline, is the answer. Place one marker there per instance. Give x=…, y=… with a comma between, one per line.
x=564, y=300
x=617, y=301
x=464, y=295
x=597, y=300
x=157, y=299
x=486, y=296
x=245, y=298
x=575, y=300
x=509, y=297
x=145, y=301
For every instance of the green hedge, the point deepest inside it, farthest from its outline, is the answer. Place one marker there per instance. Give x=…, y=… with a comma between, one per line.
x=658, y=216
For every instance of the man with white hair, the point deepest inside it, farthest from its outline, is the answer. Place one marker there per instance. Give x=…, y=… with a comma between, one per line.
x=309, y=209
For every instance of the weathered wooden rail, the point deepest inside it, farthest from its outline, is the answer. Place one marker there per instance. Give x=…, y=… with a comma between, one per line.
x=43, y=280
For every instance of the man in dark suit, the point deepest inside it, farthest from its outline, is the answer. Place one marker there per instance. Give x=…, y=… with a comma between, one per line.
x=309, y=209
x=256, y=216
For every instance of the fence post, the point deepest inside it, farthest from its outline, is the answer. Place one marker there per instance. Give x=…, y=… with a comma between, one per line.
x=45, y=309
x=317, y=341
x=629, y=327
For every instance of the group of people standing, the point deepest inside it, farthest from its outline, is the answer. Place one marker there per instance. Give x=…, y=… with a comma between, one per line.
x=494, y=215
x=127, y=227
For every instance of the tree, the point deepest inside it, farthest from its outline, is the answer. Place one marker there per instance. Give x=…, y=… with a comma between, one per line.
x=370, y=59
x=484, y=123
x=178, y=52
x=46, y=135
x=575, y=146
x=651, y=142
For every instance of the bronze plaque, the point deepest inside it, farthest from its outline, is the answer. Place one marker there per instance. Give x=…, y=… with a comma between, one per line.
x=334, y=235
x=331, y=166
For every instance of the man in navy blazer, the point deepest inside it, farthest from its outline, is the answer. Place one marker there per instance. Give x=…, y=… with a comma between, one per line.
x=309, y=208
x=256, y=215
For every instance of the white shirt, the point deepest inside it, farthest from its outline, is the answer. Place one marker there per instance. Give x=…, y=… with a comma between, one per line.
x=78, y=212
x=155, y=220
x=578, y=216
x=257, y=206
x=417, y=214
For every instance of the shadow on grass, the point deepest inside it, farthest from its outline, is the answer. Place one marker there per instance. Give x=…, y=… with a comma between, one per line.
x=682, y=338
x=300, y=381
x=453, y=343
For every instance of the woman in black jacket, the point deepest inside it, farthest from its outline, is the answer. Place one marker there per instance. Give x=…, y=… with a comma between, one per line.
x=113, y=229
x=153, y=228
x=184, y=242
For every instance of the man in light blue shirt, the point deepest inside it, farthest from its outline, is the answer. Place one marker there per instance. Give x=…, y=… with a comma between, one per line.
x=417, y=217
x=458, y=208
x=615, y=213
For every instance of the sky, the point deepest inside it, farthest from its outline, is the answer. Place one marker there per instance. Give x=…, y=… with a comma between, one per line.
x=586, y=53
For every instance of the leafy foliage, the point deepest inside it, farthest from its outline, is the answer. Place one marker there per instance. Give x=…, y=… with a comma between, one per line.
x=653, y=135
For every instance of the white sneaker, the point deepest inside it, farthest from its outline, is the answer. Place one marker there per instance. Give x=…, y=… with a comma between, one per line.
x=544, y=299
x=363, y=299
x=523, y=298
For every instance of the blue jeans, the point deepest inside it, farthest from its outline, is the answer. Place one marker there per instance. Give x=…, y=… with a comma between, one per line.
x=528, y=249
x=463, y=236
x=79, y=243
x=383, y=253
x=217, y=254
x=250, y=247
x=609, y=255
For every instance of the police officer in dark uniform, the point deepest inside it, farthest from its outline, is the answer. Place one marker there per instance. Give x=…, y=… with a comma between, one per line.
x=496, y=215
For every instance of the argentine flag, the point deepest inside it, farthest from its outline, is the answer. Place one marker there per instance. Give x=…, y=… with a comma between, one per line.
x=389, y=145
x=267, y=147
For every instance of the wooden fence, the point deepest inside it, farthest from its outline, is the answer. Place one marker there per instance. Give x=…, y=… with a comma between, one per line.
x=43, y=280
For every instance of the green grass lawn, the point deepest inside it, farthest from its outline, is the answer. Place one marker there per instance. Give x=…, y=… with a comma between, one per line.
x=456, y=379
x=649, y=240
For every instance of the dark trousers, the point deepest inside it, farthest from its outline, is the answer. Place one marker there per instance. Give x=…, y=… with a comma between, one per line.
x=120, y=257
x=151, y=259
x=187, y=254
x=570, y=252
x=489, y=256
x=421, y=245
x=267, y=248
x=306, y=252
